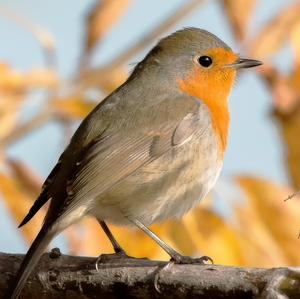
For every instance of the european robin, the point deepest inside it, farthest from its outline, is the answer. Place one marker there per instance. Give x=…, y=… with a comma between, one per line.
x=150, y=151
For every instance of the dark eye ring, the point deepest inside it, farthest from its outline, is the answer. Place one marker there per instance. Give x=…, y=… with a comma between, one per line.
x=205, y=61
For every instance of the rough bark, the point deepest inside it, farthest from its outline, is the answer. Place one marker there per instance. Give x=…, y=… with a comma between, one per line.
x=62, y=276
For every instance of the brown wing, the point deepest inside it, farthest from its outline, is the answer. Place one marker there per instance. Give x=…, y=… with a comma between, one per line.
x=116, y=156
x=88, y=169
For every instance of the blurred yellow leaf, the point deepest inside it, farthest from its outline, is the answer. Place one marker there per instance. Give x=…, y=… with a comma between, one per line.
x=295, y=40
x=41, y=78
x=295, y=79
x=9, y=112
x=239, y=14
x=14, y=88
x=11, y=81
x=15, y=82
x=275, y=33
x=213, y=236
x=289, y=129
x=75, y=108
x=182, y=237
x=101, y=18
x=259, y=248
x=18, y=203
x=275, y=222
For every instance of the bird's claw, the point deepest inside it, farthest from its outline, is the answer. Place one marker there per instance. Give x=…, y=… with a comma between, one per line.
x=182, y=259
x=120, y=254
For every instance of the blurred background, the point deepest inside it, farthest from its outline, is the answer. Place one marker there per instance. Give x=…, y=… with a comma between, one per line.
x=59, y=58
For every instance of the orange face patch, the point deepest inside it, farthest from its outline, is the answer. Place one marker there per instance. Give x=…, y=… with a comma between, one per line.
x=212, y=86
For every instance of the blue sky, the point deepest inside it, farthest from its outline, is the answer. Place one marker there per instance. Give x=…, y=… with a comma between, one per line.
x=254, y=146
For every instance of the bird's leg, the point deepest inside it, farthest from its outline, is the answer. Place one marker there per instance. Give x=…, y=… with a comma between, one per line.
x=117, y=247
x=175, y=256
x=119, y=251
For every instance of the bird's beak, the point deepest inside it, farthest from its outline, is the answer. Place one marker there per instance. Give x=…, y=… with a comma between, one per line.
x=245, y=63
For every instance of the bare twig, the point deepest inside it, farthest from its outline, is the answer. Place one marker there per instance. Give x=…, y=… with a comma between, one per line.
x=292, y=195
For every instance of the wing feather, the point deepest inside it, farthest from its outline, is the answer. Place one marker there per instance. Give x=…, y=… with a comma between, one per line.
x=117, y=152
x=105, y=165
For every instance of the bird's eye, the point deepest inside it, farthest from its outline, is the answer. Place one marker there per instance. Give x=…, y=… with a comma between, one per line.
x=205, y=61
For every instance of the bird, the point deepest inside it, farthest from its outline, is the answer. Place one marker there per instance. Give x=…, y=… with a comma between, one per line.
x=150, y=151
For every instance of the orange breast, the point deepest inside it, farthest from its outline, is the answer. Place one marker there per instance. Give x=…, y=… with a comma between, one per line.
x=213, y=88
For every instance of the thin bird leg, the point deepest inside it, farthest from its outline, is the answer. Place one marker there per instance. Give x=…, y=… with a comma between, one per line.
x=175, y=256
x=117, y=247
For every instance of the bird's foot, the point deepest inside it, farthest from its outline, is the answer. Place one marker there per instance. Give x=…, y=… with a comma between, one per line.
x=179, y=259
x=112, y=257
x=182, y=259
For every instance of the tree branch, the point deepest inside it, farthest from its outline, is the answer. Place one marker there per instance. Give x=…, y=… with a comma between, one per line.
x=61, y=276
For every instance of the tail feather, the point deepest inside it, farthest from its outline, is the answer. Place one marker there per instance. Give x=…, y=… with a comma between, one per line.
x=44, y=196
x=41, y=200
x=32, y=257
